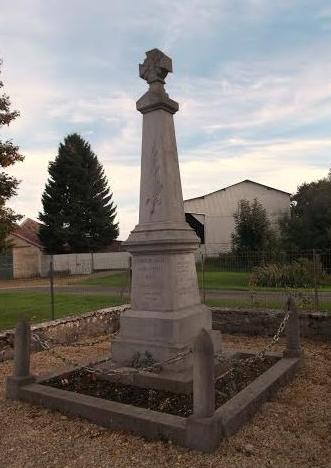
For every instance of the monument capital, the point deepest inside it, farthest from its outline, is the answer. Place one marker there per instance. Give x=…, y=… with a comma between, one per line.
x=156, y=66
x=154, y=70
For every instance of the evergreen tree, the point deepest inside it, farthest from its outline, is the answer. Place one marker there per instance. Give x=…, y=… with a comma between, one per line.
x=78, y=211
x=252, y=228
x=9, y=154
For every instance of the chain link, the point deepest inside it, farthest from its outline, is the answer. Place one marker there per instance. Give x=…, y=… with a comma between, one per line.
x=46, y=347
x=157, y=366
x=259, y=356
x=77, y=345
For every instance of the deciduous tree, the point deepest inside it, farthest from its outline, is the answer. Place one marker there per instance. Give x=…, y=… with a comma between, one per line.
x=252, y=228
x=9, y=154
x=309, y=224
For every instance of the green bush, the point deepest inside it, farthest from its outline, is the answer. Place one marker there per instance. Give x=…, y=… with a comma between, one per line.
x=298, y=274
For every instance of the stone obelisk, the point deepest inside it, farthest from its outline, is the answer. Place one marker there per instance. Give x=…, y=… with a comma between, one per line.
x=166, y=313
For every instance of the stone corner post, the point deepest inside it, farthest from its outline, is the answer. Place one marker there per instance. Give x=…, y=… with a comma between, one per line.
x=293, y=346
x=22, y=375
x=202, y=427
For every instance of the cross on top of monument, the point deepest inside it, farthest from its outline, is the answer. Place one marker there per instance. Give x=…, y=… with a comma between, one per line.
x=156, y=66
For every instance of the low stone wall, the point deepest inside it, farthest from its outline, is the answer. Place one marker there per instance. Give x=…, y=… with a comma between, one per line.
x=68, y=330
x=232, y=321
x=266, y=322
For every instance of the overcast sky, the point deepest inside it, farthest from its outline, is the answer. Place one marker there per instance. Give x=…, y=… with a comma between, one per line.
x=252, y=77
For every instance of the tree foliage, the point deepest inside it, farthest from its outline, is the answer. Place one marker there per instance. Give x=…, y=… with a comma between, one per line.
x=309, y=224
x=252, y=230
x=9, y=154
x=78, y=211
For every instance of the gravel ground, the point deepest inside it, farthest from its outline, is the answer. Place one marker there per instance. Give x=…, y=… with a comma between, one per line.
x=293, y=430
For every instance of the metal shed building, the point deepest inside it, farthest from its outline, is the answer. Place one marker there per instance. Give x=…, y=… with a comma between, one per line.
x=211, y=215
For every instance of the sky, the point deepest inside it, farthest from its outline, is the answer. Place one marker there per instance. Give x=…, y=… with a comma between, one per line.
x=252, y=78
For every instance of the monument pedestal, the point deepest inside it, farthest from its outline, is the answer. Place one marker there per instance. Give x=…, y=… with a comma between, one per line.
x=163, y=335
x=167, y=313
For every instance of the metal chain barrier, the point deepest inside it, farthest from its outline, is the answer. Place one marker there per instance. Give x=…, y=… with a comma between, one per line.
x=157, y=366
x=78, y=345
x=260, y=355
x=46, y=347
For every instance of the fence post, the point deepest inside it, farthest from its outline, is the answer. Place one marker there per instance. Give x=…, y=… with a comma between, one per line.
x=129, y=275
x=203, y=278
x=316, y=299
x=51, y=285
x=22, y=352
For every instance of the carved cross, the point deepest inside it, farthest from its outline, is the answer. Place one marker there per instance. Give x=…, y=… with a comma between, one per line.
x=156, y=66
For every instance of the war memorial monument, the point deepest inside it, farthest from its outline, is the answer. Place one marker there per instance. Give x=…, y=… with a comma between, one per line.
x=167, y=375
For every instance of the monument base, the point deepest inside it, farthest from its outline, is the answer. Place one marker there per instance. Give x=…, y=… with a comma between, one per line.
x=159, y=336
x=176, y=377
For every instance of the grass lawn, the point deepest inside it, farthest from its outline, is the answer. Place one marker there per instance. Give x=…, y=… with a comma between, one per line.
x=36, y=306
x=213, y=280
x=229, y=280
x=224, y=280
x=116, y=280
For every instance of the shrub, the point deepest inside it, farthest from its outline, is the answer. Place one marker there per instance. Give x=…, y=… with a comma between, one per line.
x=298, y=274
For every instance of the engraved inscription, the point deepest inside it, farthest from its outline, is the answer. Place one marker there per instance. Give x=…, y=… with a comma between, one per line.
x=148, y=282
x=186, y=281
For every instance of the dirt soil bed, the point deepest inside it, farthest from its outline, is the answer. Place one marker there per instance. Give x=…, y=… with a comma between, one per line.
x=165, y=402
x=292, y=430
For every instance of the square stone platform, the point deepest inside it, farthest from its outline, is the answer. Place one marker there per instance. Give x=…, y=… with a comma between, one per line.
x=199, y=434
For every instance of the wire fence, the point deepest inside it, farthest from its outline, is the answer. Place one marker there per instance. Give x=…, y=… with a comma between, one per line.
x=240, y=280
x=264, y=278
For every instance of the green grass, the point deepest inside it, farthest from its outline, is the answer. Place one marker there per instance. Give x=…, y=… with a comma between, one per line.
x=212, y=279
x=224, y=280
x=230, y=280
x=36, y=306
x=117, y=280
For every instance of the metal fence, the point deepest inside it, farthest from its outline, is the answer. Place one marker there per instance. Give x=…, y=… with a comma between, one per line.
x=264, y=278
x=226, y=280
x=54, y=287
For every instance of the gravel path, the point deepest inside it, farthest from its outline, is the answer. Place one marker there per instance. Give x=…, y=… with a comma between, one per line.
x=293, y=430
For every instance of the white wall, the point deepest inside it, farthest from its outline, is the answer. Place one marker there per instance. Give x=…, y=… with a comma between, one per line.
x=85, y=263
x=220, y=206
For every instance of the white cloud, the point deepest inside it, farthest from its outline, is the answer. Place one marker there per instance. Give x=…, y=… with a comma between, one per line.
x=223, y=110
x=281, y=164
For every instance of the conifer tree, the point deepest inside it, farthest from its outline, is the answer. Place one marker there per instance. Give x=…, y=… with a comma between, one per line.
x=9, y=154
x=78, y=211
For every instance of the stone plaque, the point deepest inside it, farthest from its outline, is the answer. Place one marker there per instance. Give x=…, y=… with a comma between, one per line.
x=186, y=286
x=148, y=282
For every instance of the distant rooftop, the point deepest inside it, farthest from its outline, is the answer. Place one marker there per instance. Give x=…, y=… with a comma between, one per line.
x=238, y=183
x=28, y=231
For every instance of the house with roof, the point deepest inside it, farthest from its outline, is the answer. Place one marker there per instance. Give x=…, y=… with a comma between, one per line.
x=25, y=256
x=211, y=215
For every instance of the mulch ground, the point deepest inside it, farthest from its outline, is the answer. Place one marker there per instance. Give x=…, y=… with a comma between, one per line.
x=292, y=430
x=156, y=400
